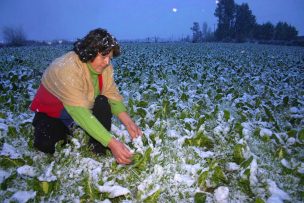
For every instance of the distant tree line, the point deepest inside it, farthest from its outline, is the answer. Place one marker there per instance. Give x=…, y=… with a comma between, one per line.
x=203, y=34
x=237, y=23
x=15, y=36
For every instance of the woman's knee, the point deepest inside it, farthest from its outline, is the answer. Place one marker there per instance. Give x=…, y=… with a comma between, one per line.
x=102, y=111
x=101, y=101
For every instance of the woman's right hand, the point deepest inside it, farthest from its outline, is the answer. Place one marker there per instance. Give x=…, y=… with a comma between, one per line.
x=121, y=153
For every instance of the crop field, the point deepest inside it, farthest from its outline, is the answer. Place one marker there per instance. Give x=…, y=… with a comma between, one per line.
x=221, y=123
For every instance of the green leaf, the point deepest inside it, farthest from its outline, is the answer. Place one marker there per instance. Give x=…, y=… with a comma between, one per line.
x=6, y=162
x=301, y=135
x=259, y=200
x=200, y=140
x=202, y=179
x=245, y=183
x=8, y=182
x=247, y=163
x=281, y=152
x=238, y=156
x=218, y=176
x=256, y=132
x=143, y=104
x=285, y=101
x=141, y=112
x=12, y=131
x=226, y=115
x=140, y=161
x=238, y=128
x=90, y=192
x=200, y=197
x=218, y=97
x=184, y=97
x=45, y=187
x=153, y=198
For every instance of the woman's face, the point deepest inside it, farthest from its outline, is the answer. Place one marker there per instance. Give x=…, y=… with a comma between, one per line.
x=101, y=62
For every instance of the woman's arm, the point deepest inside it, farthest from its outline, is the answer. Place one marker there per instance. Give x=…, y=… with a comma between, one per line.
x=90, y=124
x=87, y=121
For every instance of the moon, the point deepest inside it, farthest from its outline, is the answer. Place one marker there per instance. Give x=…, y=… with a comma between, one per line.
x=174, y=10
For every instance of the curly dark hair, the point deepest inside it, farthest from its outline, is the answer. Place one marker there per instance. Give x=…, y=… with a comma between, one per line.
x=96, y=41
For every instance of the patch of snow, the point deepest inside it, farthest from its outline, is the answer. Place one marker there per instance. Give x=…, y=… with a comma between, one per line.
x=4, y=175
x=265, y=132
x=202, y=153
x=121, y=132
x=115, y=191
x=277, y=195
x=3, y=127
x=221, y=194
x=92, y=166
x=76, y=143
x=192, y=169
x=221, y=129
x=23, y=196
x=27, y=170
x=286, y=164
x=48, y=175
x=253, y=173
x=294, y=110
x=106, y=201
x=301, y=168
x=291, y=141
x=138, y=145
x=158, y=170
x=184, y=179
x=9, y=150
x=231, y=166
x=173, y=133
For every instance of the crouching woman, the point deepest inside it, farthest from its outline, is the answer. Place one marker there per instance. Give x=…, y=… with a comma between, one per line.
x=79, y=87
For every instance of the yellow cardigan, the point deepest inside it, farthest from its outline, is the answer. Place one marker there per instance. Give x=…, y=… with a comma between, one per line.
x=69, y=79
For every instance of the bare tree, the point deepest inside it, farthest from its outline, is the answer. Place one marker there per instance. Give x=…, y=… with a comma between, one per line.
x=14, y=36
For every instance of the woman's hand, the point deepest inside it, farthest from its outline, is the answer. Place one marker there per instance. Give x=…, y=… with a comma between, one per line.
x=133, y=130
x=121, y=153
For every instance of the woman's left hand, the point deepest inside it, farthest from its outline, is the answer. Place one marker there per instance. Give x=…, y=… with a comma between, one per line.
x=133, y=130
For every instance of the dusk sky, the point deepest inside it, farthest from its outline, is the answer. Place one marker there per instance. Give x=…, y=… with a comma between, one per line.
x=132, y=19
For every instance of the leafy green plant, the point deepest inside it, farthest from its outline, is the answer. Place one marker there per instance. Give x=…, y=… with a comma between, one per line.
x=140, y=161
x=200, y=197
x=238, y=155
x=200, y=140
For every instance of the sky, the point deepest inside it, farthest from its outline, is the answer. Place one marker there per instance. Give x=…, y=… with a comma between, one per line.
x=131, y=19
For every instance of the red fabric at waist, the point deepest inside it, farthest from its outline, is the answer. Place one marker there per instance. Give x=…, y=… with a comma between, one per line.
x=47, y=103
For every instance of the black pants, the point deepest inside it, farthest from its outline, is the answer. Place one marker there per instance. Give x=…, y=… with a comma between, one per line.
x=48, y=130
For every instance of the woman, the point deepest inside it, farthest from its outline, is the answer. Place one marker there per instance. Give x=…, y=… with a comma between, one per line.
x=79, y=87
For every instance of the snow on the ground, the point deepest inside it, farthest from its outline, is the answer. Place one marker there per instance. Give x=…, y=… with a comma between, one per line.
x=4, y=175
x=48, y=175
x=277, y=195
x=221, y=194
x=27, y=170
x=114, y=190
x=22, y=196
x=9, y=150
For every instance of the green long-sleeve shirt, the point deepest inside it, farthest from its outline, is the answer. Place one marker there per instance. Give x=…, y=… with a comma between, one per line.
x=86, y=120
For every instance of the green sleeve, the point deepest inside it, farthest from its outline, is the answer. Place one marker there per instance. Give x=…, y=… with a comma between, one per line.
x=86, y=120
x=117, y=107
